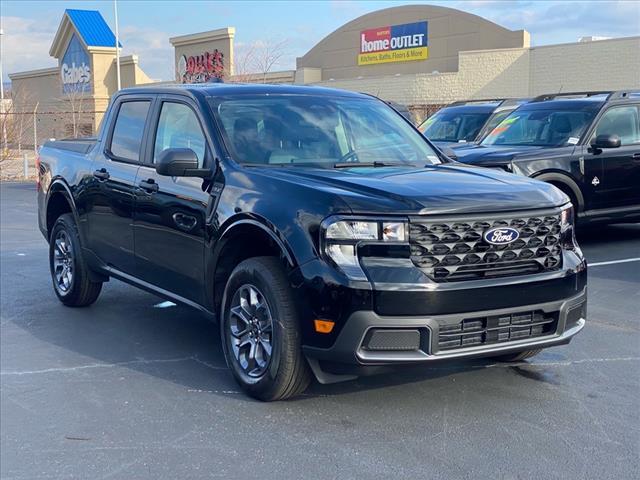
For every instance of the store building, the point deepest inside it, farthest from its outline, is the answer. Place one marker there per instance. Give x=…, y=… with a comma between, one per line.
x=418, y=55
x=460, y=56
x=71, y=98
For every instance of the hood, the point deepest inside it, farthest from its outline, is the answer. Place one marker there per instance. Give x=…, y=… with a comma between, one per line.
x=451, y=188
x=496, y=155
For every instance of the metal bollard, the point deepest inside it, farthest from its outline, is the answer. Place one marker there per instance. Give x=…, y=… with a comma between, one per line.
x=26, y=166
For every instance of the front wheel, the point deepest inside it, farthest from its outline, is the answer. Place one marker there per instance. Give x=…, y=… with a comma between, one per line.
x=260, y=331
x=69, y=272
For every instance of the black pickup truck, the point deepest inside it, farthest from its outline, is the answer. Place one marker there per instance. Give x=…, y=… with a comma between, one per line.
x=585, y=143
x=319, y=227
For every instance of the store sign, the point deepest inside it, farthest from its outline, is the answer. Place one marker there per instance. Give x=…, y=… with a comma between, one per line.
x=75, y=71
x=397, y=43
x=201, y=68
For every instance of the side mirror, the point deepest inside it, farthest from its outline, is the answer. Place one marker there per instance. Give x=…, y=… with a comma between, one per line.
x=606, y=141
x=180, y=162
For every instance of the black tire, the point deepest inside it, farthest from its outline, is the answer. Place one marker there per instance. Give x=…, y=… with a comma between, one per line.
x=518, y=356
x=285, y=374
x=77, y=289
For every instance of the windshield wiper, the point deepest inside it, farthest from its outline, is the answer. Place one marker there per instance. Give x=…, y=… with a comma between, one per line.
x=365, y=164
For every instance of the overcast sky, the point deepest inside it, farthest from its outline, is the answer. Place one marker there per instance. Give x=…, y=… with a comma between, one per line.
x=145, y=26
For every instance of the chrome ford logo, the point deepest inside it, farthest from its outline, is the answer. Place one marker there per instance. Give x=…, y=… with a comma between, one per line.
x=501, y=235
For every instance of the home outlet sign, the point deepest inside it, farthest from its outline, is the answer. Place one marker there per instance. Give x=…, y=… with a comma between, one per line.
x=75, y=70
x=396, y=43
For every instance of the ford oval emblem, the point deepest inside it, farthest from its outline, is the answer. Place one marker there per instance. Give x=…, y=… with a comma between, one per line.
x=501, y=235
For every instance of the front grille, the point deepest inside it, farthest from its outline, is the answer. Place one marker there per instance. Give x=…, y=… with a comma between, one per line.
x=472, y=332
x=455, y=250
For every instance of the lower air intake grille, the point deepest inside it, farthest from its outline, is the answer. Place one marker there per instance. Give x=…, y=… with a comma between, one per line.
x=455, y=250
x=473, y=332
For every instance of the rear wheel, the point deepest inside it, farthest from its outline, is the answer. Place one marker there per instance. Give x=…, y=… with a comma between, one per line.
x=260, y=332
x=518, y=356
x=69, y=272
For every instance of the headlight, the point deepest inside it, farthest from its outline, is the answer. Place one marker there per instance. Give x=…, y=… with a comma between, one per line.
x=566, y=217
x=340, y=239
x=567, y=231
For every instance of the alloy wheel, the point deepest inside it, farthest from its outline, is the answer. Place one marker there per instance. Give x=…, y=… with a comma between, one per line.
x=251, y=330
x=63, y=263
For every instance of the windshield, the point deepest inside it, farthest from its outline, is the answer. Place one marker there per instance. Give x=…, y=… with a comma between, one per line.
x=318, y=131
x=453, y=126
x=546, y=128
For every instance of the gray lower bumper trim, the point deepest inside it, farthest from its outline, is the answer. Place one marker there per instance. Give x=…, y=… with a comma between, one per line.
x=347, y=346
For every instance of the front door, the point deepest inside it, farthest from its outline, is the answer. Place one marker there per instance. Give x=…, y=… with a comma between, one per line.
x=170, y=213
x=111, y=193
x=618, y=185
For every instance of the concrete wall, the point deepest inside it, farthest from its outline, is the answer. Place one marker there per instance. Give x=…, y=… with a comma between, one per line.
x=449, y=32
x=608, y=64
x=199, y=43
x=520, y=72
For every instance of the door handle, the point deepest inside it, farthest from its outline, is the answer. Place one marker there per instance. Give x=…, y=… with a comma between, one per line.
x=149, y=185
x=636, y=157
x=101, y=174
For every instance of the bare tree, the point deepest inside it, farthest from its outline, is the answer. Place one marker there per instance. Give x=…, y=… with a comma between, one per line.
x=253, y=62
x=268, y=54
x=74, y=109
x=16, y=120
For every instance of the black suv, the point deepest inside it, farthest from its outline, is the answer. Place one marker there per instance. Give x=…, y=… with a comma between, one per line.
x=587, y=144
x=467, y=121
x=318, y=226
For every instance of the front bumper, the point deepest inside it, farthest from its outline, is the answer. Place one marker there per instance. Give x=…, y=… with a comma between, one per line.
x=349, y=349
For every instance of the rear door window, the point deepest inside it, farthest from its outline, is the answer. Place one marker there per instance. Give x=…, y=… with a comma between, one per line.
x=129, y=129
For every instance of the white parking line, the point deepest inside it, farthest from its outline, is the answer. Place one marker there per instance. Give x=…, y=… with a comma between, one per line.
x=613, y=262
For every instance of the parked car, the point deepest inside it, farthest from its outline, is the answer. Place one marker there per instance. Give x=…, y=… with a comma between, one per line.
x=586, y=144
x=322, y=231
x=467, y=121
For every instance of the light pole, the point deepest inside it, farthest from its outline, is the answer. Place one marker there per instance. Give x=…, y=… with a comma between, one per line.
x=115, y=11
x=4, y=119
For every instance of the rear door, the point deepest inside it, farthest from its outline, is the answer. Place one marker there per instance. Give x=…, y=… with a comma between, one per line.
x=618, y=185
x=112, y=189
x=170, y=214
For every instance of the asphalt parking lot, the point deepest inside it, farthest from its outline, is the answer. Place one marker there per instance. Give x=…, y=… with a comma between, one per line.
x=125, y=389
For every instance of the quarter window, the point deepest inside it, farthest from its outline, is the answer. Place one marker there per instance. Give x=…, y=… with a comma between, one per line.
x=621, y=121
x=178, y=127
x=128, y=130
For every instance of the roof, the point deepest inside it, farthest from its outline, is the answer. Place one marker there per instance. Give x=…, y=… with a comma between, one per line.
x=92, y=27
x=586, y=103
x=472, y=108
x=229, y=89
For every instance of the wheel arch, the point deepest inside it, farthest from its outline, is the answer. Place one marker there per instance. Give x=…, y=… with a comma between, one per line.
x=565, y=183
x=59, y=201
x=244, y=238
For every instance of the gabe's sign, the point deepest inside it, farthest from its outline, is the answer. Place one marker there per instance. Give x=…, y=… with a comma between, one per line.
x=75, y=73
x=397, y=43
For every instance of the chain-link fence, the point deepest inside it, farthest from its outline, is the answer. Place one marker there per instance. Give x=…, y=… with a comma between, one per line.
x=23, y=132
x=422, y=111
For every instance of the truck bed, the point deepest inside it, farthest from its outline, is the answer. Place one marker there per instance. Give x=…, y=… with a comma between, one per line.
x=78, y=145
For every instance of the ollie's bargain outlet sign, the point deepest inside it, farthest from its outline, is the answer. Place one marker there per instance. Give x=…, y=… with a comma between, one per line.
x=396, y=43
